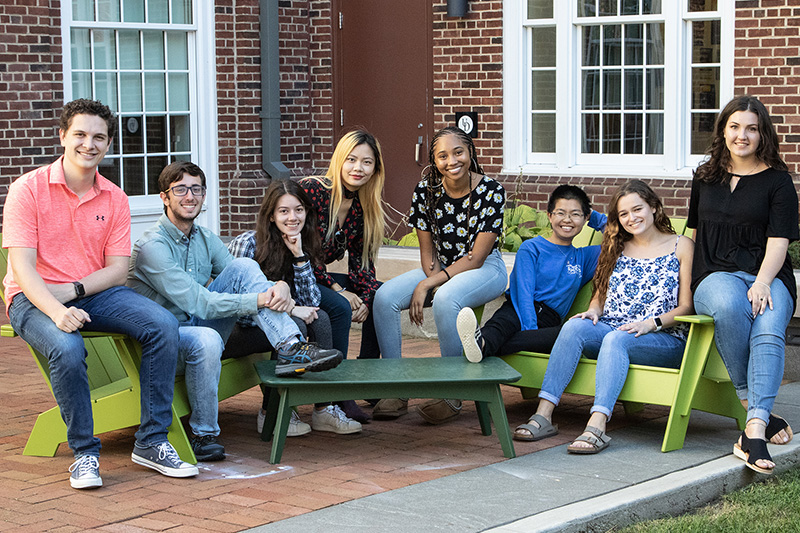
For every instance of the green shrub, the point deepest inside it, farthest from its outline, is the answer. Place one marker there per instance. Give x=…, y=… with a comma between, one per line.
x=794, y=254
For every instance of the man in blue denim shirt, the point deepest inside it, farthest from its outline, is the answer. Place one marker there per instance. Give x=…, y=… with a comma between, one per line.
x=187, y=269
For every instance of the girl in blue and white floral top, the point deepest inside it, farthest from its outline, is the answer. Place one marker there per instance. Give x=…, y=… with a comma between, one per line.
x=641, y=284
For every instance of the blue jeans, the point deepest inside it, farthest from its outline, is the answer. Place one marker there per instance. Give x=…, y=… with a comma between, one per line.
x=115, y=310
x=752, y=348
x=467, y=289
x=614, y=350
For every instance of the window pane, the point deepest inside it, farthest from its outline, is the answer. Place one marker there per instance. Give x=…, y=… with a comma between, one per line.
x=591, y=134
x=153, y=50
x=591, y=46
x=134, y=11
x=129, y=50
x=702, y=131
x=154, y=167
x=543, y=53
x=586, y=8
x=543, y=89
x=705, y=41
x=634, y=124
x=634, y=45
x=130, y=92
x=108, y=10
x=104, y=50
x=655, y=88
x=612, y=45
x=651, y=7
x=655, y=134
x=543, y=132
x=133, y=175
x=630, y=7
x=155, y=92
x=607, y=8
x=591, y=89
x=132, y=135
x=156, y=134
x=179, y=92
x=157, y=11
x=705, y=88
x=80, y=50
x=702, y=5
x=180, y=133
x=634, y=89
x=655, y=44
x=612, y=89
x=109, y=169
x=181, y=11
x=105, y=88
x=177, y=51
x=82, y=85
x=82, y=10
x=540, y=9
x=612, y=126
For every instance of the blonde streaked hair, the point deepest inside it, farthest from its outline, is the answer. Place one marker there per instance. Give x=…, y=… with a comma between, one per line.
x=369, y=195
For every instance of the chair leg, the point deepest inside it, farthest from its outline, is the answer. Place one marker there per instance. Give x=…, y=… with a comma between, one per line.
x=180, y=440
x=48, y=432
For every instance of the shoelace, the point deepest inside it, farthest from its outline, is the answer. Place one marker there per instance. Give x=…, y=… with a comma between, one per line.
x=338, y=413
x=166, y=451
x=86, y=464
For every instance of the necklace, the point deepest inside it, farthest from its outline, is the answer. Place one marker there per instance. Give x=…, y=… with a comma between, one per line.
x=749, y=173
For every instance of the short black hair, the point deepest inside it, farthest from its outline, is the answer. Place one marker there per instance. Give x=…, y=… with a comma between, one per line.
x=83, y=106
x=570, y=192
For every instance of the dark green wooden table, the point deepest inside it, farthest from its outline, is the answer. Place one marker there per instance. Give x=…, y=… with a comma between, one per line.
x=354, y=379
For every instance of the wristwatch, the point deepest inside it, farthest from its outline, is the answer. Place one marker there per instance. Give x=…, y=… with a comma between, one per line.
x=80, y=292
x=658, y=323
x=300, y=260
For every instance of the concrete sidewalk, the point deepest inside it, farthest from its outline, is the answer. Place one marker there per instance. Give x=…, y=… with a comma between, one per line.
x=555, y=491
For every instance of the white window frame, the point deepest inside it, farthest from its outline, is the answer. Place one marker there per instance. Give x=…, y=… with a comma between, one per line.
x=146, y=209
x=567, y=160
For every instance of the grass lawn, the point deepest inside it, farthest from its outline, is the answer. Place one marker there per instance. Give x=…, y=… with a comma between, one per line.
x=771, y=506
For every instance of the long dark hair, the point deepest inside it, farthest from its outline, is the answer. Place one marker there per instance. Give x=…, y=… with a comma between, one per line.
x=272, y=254
x=433, y=178
x=615, y=236
x=715, y=168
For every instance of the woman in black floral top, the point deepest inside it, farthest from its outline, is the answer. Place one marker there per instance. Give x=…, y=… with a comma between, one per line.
x=351, y=219
x=458, y=215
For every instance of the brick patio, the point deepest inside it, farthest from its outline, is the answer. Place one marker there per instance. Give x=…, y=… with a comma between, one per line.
x=318, y=470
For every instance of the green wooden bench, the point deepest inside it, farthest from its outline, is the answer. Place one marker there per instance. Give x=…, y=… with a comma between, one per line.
x=429, y=377
x=113, y=370
x=702, y=381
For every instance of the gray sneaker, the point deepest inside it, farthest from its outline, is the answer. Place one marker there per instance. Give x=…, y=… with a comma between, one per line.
x=85, y=473
x=163, y=458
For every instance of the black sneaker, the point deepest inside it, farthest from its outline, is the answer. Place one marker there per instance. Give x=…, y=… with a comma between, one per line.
x=206, y=448
x=303, y=357
x=163, y=458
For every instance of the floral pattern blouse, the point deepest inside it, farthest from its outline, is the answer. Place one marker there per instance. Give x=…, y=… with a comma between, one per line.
x=457, y=234
x=349, y=237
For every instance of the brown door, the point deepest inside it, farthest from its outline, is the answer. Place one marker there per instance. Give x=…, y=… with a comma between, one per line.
x=383, y=78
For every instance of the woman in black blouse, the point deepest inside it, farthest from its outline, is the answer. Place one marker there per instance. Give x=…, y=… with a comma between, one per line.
x=744, y=208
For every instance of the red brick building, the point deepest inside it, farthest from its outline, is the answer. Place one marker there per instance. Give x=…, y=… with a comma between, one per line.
x=591, y=92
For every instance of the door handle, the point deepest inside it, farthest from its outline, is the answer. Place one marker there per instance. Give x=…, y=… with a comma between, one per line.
x=418, y=151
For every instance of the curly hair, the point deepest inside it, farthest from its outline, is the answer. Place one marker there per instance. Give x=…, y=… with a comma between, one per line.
x=370, y=195
x=433, y=179
x=83, y=106
x=715, y=167
x=272, y=254
x=616, y=236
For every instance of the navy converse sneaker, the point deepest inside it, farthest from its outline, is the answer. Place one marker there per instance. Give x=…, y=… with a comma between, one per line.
x=303, y=357
x=163, y=458
x=85, y=473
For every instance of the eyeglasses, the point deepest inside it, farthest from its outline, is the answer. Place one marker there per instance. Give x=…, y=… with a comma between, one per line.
x=563, y=214
x=183, y=190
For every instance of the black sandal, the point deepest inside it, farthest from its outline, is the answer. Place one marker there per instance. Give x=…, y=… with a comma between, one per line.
x=750, y=451
x=775, y=426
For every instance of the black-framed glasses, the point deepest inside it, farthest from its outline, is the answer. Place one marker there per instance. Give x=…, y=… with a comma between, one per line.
x=183, y=190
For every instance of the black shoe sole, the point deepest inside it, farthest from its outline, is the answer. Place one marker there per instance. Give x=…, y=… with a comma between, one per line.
x=210, y=457
x=296, y=369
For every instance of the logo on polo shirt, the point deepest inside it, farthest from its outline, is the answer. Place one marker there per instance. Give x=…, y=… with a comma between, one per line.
x=100, y=217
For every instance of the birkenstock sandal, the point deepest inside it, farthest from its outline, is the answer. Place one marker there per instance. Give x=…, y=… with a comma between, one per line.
x=545, y=429
x=598, y=441
x=775, y=426
x=750, y=451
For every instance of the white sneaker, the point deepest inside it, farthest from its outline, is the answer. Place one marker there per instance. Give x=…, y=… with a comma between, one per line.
x=470, y=335
x=85, y=473
x=333, y=419
x=296, y=426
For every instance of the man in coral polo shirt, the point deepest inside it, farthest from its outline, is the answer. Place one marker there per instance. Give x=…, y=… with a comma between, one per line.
x=67, y=230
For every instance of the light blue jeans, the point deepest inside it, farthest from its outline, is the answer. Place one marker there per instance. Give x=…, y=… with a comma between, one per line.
x=752, y=348
x=467, y=289
x=614, y=350
x=202, y=342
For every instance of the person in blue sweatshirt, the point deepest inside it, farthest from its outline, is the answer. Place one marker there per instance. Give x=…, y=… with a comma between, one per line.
x=548, y=273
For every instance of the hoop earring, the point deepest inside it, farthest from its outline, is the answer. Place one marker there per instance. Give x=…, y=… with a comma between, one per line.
x=423, y=171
